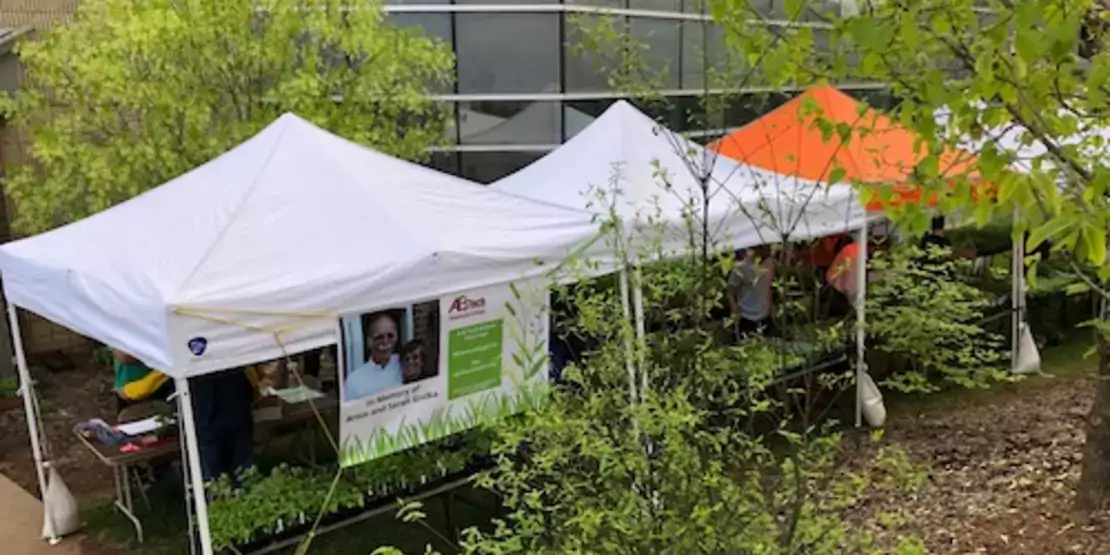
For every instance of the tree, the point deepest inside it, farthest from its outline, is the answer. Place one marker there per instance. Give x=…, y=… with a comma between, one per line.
x=693, y=440
x=1020, y=84
x=132, y=93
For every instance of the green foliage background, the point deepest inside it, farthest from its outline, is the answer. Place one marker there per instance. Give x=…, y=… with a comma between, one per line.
x=132, y=93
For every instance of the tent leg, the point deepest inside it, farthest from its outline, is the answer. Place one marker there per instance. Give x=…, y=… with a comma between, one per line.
x=625, y=302
x=27, y=391
x=861, y=318
x=638, y=311
x=186, y=480
x=193, y=451
x=1017, y=299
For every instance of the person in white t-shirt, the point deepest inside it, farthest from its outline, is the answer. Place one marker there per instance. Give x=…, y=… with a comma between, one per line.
x=750, y=291
x=382, y=371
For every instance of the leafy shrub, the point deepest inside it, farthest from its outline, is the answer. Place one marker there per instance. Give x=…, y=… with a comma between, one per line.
x=920, y=310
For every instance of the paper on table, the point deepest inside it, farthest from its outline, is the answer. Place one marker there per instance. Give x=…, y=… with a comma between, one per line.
x=140, y=427
x=297, y=394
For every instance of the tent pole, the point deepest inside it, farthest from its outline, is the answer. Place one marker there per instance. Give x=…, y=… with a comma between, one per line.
x=638, y=310
x=192, y=447
x=1017, y=297
x=627, y=343
x=185, y=477
x=861, y=318
x=27, y=390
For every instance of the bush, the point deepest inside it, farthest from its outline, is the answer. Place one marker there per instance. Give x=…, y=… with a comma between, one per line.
x=920, y=311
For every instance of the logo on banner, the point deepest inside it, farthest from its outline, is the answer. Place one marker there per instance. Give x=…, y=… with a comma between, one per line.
x=198, y=345
x=463, y=307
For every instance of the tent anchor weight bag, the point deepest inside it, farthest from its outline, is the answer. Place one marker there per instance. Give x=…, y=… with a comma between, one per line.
x=871, y=400
x=1028, y=357
x=60, y=514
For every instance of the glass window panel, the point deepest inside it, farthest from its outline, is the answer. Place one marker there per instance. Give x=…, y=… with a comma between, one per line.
x=506, y=1
x=434, y=25
x=437, y=25
x=576, y=117
x=587, y=71
x=602, y=3
x=510, y=122
x=403, y=2
x=656, y=5
x=447, y=162
x=487, y=167
x=696, y=51
x=738, y=111
x=772, y=9
x=880, y=99
x=823, y=10
x=507, y=53
x=658, y=40
x=579, y=113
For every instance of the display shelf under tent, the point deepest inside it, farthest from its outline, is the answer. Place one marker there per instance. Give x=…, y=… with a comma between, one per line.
x=251, y=256
x=790, y=140
x=653, y=176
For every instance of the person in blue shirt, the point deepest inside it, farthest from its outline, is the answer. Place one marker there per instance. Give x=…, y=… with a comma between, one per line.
x=382, y=369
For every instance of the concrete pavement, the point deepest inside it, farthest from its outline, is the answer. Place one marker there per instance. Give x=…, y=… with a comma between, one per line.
x=21, y=524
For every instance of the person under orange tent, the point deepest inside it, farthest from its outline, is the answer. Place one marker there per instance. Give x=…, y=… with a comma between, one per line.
x=821, y=252
x=788, y=140
x=842, y=274
x=842, y=277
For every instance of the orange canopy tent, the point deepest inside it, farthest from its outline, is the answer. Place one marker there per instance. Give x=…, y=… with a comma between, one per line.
x=788, y=140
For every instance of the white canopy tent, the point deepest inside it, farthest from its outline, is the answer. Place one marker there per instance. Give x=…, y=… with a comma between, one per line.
x=322, y=224
x=658, y=175
x=253, y=255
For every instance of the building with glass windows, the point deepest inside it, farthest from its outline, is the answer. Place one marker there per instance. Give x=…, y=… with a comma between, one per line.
x=522, y=88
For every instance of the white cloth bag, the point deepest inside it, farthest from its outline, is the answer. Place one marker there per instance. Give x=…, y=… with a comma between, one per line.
x=61, y=516
x=1028, y=357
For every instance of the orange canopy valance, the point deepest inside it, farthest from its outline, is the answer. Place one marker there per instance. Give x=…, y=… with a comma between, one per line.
x=788, y=140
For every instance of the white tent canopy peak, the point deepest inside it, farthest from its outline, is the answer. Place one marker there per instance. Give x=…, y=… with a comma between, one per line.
x=293, y=221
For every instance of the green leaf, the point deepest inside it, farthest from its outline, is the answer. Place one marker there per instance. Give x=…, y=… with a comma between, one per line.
x=1049, y=230
x=1095, y=240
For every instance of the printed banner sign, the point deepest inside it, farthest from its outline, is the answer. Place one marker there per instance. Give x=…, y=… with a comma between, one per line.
x=414, y=374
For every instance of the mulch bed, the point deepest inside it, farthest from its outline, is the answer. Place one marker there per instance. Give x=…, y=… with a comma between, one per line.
x=1001, y=474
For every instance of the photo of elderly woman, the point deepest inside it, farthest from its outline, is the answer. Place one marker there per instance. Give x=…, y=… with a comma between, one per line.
x=387, y=349
x=412, y=361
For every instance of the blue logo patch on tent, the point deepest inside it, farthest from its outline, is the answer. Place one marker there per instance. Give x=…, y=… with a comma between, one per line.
x=198, y=345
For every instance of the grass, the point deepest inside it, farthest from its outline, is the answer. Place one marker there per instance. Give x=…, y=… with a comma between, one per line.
x=1068, y=360
x=9, y=387
x=164, y=523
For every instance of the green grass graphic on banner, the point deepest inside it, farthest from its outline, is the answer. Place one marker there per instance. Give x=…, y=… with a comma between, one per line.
x=474, y=359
